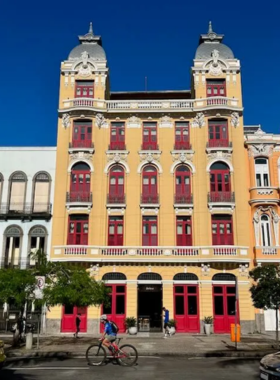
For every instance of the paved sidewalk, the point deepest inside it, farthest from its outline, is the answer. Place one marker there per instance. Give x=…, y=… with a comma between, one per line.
x=186, y=345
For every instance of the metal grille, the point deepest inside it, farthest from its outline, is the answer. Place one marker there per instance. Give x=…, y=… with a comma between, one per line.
x=38, y=231
x=13, y=231
x=150, y=276
x=185, y=277
x=18, y=177
x=223, y=277
x=114, y=276
x=42, y=177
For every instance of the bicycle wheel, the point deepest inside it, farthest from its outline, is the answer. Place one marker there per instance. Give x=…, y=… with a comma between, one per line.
x=128, y=355
x=95, y=354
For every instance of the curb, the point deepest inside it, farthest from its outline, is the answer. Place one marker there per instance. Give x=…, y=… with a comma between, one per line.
x=221, y=354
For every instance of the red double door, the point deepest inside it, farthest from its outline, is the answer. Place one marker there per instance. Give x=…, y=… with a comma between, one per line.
x=69, y=314
x=186, y=308
x=224, y=308
x=115, y=310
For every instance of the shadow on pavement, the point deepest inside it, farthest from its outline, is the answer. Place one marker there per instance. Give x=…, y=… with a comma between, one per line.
x=6, y=374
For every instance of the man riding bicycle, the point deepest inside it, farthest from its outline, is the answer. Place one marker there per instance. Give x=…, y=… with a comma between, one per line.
x=110, y=333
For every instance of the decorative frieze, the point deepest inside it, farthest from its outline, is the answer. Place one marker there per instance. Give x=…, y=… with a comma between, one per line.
x=66, y=120
x=150, y=156
x=133, y=122
x=165, y=122
x=219, y=155
x=117, y=157
x=260, y=150
x=198, y=121
x=234, y=121
x=100, y=121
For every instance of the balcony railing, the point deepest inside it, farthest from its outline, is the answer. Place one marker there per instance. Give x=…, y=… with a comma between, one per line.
x=81, y=144
x=79, y=197
x=149, y=199
x=120, y=145
x=182, y=145
x=153, y=105
x=149, y=146
x=183, y=199
x=14, y=210
x=267, y=254
x=219, y=144
x=221, y=197
x=115, y=198
x=164, y=253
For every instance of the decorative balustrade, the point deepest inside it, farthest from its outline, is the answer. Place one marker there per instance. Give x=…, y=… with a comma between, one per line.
x=120, y=145
x=81, y=144
x=221, y=197
x=152, y=105
x=182, y=145
x=149, y=199
x=164, y=253
x=149, y=146
x=219, y=144
x=269, y=250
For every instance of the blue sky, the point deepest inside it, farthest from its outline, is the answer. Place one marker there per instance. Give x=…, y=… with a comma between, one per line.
x=149, y=38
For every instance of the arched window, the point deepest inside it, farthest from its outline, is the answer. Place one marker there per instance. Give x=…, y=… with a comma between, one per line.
x=262, y=172
x=220, y=189
x=80, y=183
x=149, y=185
x=265, y=231
x=113, y=276
x=185, y=277
x=18, y=182
x=116, y=184
x=38, y=240
x=13, y=237
x=41, y=197
x=223, y=277
x=149, y=276
x=183, y=184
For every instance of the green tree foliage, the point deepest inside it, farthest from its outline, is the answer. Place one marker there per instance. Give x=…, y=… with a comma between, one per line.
x=265, y=291
x=16, y=286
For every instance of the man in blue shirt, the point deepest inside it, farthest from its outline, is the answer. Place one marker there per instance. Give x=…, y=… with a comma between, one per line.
x=165, y=322
x=109, y=336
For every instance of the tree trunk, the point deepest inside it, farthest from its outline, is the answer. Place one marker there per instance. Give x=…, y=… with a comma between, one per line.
x=277, y=335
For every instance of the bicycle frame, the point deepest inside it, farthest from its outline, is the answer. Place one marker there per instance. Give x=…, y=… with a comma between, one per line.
x=118, y=354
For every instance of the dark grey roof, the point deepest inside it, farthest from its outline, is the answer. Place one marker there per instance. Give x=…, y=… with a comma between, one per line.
x=95, y=51
x=90, y=43
x=204, y=51
x=212, y=41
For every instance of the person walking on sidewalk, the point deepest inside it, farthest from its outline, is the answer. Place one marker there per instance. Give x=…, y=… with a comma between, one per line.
x=78, y=322
x=165, y=322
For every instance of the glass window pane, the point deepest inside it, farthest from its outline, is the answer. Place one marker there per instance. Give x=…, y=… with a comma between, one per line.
x=179, y=229
x=219, y=305
x=192, y=289
x=113, y=180
x=231, y=305
x=179, y=289
x=107, y=309
x=218, y=289
x=120, y=289
x=120, y=304
x=121, y=180
x=145, y=181
x=265, y=180
x=192, y=305
x=85, y=228
x=111, y=229
x=153, y=229
x=68, y=309
x=120, y=229
x=179, y=305
x=231, y=290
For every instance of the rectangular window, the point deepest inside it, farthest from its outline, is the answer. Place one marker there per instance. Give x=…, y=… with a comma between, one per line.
x=117, y=137
x=150, y=234
x=82, y=134
x=78, y=230
x=84, y=89
x=115, y=231
x=262, y=172
x=184, y=231
x=182, y=135
x=179, y=305
x=216, y=87
x=149, y=136
x=218, y=133
x=222, y=233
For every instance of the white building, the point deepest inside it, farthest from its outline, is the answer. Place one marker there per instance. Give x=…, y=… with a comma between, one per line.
x=27, y=177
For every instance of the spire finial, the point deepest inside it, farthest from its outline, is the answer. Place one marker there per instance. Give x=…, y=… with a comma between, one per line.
x=90, y=28
x=210, y=30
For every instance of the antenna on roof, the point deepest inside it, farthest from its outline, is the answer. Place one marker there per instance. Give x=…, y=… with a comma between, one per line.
x=146, y=84
x=90, y=28
x=210, y=30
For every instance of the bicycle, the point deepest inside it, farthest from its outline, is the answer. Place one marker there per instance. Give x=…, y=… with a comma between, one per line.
x=126, y=355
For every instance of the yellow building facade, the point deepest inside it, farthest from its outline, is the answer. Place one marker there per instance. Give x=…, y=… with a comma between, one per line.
x=152, y=193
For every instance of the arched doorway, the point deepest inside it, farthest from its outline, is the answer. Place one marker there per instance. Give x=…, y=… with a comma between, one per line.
x=186, y=302
x=116, y=309
x=150, y=302
x=224, y=293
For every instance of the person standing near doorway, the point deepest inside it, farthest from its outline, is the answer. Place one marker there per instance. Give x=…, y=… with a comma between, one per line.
x=165, y=322
x=78, y=322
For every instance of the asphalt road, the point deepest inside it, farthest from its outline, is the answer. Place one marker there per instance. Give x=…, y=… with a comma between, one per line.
x=155, y=368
